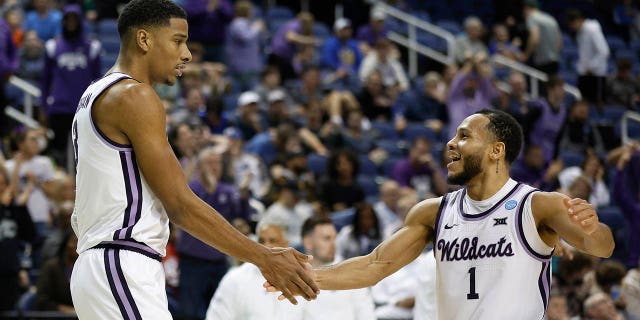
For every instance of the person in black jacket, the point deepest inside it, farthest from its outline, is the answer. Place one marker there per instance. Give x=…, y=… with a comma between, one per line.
x=54, y=293
x=16, y=228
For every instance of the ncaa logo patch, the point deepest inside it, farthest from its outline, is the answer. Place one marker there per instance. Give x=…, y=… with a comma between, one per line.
x=510, y=204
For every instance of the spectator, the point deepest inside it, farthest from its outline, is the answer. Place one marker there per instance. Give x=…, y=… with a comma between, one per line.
x=8, y=65
x=286, y=41
x=515, y=102
x=245, y=168
x=306, y=57
x=425, y=307
x=624, y=16
x=375, y=99
x=600, y=306
x=546, y=117
x=191, y=110
x=471, y=90
x=53, y=292
x=249, y=120
x=626, y=186
x=31, y=65
x=214, y=116
x=362, y=235
x=470, y=42
x=501, y=44
x=609, y=275
x=381, y=60
x=16, y=227
x=557, y=309
x=340, y=52
x=63, y=204
x=590, y=172
x=531, y=169
x=243, y=45
x=623, y=86
x=31, y=170
x=631, y=292
x=15, y=20
x=387, y=207
x=395, y=295
x=311, y=89
x=201, y=266
x=183, y=144
x=578, y=134
x=44, y=19
x=339, y=189
x=593, y=54
x=241, y=296
x=270, y=80
x=571, y=275
x=278, y=108
x=375, y=30
x=72, y=62
x=545, y=39
x=319, y=240
x=289, y=210
x=358, y=139
x=203, y=17
x=420, y=171
x=427, y=105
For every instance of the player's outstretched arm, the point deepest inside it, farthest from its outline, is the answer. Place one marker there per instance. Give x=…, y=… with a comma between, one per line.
x=137, y=113
x=392, y=254
x=574, y=220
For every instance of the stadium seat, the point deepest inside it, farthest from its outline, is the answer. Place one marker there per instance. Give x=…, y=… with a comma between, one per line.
x=342, y=218
x=317, y=164
x=321, y=30
x=367, y=166
x=450, y=25
x=391, y=146
x=369, y=185
x=384, y=130
x=414, y=130
x=278, y=12
x=389, y=164
x=107, y=27
x=571, y=158
x=616, y=43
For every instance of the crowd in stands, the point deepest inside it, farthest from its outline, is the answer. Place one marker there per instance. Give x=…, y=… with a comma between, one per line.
x=307, y=131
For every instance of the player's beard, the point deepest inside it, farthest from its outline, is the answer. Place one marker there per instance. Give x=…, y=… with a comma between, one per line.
x=471, y=168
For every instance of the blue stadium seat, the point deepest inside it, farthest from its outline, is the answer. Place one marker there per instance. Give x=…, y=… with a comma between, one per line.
x=391, y=146
x=616, y=43
x=389, y=164
x=571, y=158
x=367, y=166
x=414, y=130
x=230, y=101
x=369, y=185
x=321, y=30
x=279, y=12
x=317, y=164
x=110, y=44
x=384, y=129
x=450, y=25
x=107, y=27
x=27, y=301
x=342, y=218
x=612, y=113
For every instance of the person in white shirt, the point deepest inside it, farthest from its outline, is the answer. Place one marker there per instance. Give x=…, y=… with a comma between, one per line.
x=319, y=240
x=290, y=210
x=240, y=295
x=387, y=207
x=425, y=307
x=593, y=53
x=381, y=59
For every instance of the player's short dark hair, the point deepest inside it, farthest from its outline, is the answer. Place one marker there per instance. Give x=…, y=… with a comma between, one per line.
x=148, y=13
x=505, y=129
x=310, y=224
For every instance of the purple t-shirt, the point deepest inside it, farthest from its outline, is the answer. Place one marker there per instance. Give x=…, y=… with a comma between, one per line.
x=279, y=45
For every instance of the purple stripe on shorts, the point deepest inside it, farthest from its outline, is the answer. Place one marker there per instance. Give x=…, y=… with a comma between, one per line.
x=127, y=291
x=118, y=286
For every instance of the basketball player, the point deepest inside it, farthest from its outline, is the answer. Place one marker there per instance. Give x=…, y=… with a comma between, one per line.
x=493, y=239
x=127, y=176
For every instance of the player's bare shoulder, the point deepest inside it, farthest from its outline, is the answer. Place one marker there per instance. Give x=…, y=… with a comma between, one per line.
x=424, y=212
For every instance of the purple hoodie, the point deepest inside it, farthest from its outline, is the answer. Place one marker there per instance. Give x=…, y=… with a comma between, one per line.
x=8, y=52
x=71, y=64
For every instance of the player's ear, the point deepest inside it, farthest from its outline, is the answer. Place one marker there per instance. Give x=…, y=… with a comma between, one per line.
x=143, y=39
x=498, y=150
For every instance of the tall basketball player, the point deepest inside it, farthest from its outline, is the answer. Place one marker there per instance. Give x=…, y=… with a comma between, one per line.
x=129, y=184
x=493, y=239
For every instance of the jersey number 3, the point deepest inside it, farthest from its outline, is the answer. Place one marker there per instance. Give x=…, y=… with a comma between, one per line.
x=472, y=295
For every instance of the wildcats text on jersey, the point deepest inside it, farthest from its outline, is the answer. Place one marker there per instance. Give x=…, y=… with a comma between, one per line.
x=468, y=249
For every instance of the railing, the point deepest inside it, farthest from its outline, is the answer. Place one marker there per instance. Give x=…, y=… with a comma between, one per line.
x=30, y=91
x=414, y=48
x=624, y=131
x=411, y=42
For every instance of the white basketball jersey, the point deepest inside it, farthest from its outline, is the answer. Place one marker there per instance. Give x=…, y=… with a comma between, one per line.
x=114, y=204
x=491, y=262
